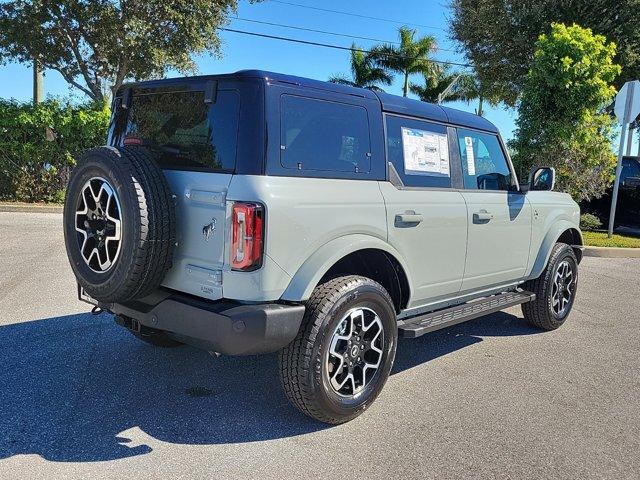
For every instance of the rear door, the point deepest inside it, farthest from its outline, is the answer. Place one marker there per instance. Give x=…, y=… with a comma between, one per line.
x=195, y=142
x=499, y=216
x=426, y=216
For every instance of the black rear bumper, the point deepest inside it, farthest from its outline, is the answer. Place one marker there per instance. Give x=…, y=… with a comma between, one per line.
x=224, y=327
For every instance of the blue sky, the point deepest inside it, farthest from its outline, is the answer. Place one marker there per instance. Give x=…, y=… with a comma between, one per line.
x=242, y=51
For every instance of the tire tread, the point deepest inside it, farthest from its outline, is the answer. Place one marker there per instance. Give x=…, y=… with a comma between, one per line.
x=296, y=359
x=537, y=312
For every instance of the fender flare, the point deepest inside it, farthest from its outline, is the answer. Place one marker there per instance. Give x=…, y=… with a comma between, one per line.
x=550, y=239
x=319, y=263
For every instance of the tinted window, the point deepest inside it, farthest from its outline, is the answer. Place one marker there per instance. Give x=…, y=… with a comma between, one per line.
x=321, y=135
x=630, y=168
x=484, y=165
x=184, y=130
x=419, y=152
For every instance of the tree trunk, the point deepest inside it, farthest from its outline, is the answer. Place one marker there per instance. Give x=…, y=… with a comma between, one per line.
x=38, y=82
x=480, y=111
x=405, y=88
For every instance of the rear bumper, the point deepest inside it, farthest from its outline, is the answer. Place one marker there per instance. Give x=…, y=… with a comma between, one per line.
x=223, y=327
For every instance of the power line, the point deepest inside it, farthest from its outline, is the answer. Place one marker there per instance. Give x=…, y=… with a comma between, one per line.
x=329, y=45
x=358, y=15
x=325, y=32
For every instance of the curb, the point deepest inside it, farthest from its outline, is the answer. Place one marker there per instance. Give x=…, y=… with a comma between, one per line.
x=611, y=252
x=30, y=208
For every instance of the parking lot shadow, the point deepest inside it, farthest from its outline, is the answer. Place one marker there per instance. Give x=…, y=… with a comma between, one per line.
x=72, y=386
x=415, y=351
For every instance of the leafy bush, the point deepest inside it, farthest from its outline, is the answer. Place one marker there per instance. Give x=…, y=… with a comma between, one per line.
x=38, y=146
x=561, y=119
x=589, y=221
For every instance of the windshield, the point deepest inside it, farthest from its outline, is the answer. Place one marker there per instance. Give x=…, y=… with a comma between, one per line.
x=184, y=130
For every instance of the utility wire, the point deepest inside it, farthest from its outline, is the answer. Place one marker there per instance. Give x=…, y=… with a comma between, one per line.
x=329, y=45
x=351, y=14
x=325, y=32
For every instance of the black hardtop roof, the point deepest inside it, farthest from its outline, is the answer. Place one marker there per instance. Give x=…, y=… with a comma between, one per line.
x=390, y=103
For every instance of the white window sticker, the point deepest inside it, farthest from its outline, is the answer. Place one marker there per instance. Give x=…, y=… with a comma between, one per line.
x=425, y=153
x=471, y=161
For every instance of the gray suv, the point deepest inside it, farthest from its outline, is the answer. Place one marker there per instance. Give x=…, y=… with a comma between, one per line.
x=256, y=212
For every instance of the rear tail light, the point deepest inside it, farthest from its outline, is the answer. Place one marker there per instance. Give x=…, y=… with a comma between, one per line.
x=246, y=236
x=132, y=141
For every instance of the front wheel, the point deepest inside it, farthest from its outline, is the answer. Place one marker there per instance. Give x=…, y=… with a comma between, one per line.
x=341, y=358
x=555, y=290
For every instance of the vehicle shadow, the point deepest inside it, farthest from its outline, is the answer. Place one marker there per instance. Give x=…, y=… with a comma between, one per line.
x=73, y=387
x=416, y=351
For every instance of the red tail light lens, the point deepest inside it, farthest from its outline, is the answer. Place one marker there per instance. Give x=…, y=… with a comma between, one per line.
x=246, y=236
x=132, y=141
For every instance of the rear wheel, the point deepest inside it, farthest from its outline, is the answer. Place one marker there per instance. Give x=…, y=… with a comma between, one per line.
x=341, y=358
x=555, y=290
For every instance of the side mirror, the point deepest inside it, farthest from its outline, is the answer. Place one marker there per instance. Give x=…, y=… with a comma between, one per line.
x=542, y=178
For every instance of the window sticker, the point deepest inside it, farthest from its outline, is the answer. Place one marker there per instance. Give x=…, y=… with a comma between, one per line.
x=471, y=161
x=425, y=153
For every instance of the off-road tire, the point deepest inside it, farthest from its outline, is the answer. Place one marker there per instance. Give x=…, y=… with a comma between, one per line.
x=148, y=223
x=301, y=362
x=539, y=312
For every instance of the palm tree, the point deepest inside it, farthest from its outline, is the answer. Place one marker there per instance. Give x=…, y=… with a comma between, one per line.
x=469, y=89
x=364, y=72
x=409, y=57
x=438, y=87
x=445, y=86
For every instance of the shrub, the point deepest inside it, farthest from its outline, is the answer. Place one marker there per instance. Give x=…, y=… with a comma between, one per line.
x=38, y=146
x=561, y=118
x=589, y=221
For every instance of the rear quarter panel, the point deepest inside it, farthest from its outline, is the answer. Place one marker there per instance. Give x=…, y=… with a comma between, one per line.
x=302, y=215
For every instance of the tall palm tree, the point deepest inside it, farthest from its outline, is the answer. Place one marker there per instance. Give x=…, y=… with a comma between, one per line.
x=364, y=72
x=469, y=89
x=411, y=56
x=446, y=86
x=438, y=87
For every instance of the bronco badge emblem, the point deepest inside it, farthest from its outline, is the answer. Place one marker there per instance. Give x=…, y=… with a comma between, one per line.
x=208, y=229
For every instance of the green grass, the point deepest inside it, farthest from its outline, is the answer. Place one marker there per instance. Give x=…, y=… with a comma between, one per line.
x=600, y=239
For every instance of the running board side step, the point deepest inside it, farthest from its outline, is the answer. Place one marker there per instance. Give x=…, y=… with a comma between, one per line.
x=419, y=325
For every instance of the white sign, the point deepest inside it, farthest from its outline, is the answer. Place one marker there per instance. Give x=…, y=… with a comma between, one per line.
x=425, y=153
x=627, y=106
x=471, y=161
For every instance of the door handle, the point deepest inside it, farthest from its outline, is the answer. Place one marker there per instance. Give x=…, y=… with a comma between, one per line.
x=409, y=218
x=482, y=216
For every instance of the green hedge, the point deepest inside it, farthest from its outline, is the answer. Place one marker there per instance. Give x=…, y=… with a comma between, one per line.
x=38, y=146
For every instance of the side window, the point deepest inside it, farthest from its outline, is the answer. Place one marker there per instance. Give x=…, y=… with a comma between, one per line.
x=484, y=166
x=419, y=151
x=322, y=135
x=630, y=168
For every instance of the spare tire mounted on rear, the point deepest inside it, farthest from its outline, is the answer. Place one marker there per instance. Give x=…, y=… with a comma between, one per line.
x=119, y=223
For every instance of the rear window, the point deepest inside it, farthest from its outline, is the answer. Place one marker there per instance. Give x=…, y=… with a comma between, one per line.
x=325, y=136
x=184, y=130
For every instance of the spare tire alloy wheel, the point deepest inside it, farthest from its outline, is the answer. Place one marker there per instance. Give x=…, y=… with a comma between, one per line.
x=98, y=221
x=355, y=352
x=119, y=223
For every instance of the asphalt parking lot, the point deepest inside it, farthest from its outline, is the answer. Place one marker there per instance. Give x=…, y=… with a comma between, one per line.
x=82, y=398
